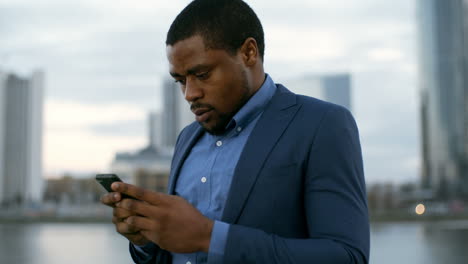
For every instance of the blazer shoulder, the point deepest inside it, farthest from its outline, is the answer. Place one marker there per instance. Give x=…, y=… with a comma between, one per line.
x=312, y=103
x=314, y=107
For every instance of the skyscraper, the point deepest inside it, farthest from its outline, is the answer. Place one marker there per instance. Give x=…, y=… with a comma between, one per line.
x=334, y=88
x=186, y=116
x=2, y=132
x=175, y=114
x=337, y=88
x=21, y=102
x=443, y=27
x=170, y=115
x=155, y=129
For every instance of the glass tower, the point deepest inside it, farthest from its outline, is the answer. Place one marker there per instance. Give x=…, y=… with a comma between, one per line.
x=444, y=96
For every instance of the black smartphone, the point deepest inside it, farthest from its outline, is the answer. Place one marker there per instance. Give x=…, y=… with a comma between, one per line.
x=106, y=181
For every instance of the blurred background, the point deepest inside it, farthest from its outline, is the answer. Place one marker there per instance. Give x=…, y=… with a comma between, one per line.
x=85, y=89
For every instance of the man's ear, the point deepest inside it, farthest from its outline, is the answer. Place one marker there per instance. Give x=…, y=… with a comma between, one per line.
x=249, y=52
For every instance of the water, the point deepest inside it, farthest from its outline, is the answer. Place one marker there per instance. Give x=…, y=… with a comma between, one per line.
x=62, y=243
x=412, y=243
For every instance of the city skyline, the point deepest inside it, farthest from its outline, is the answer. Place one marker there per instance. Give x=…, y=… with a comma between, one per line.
x=113, y=61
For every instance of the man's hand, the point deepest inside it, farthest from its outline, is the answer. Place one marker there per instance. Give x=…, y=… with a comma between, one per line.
x=119, y=216
x=167, y=220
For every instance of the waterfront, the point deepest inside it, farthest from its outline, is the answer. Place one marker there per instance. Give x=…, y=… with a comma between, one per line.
x=72, y=243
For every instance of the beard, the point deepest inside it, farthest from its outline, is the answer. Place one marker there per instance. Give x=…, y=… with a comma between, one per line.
x=220, y=125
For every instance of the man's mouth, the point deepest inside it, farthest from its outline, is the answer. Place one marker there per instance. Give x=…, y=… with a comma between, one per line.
x=202, y=114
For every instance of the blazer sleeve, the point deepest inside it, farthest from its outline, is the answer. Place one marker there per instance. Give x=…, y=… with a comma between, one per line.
x=335, y=205
x=152, y=253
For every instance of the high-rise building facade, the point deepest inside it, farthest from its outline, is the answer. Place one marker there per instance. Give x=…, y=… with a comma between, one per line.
x=334, y=88
x=170, y=115
x=443, y=78
x=155, y=129
x=176, y=113
x=465, y=83
x=337, y=89
x=185, y=115
x=21, y=103
x=2, y=132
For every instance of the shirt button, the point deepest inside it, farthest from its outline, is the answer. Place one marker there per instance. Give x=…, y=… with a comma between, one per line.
x=219, y=143
x=203, y=179
x=239, y=129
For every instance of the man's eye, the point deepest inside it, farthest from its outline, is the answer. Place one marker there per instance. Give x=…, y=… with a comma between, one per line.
x=202, y=76
x=182, y=82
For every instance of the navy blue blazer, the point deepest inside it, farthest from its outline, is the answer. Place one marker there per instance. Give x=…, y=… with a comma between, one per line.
x=298, y=193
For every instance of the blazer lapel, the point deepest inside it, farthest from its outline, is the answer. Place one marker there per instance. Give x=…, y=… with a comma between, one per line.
x=267, y=131
x=180, y=156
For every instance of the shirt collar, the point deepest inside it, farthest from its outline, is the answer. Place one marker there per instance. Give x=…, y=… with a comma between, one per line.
x=254, y=106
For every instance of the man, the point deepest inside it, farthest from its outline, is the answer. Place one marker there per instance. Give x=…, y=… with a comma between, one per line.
x=263, y=176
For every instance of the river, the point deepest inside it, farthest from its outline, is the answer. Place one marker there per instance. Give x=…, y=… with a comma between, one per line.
x=51, y=243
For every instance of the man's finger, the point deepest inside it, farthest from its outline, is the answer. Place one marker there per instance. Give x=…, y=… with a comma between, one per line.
x=121, y=213
x=142, y=223
x=125, y=229
x=139, y=193
x=139, y=207
x=110, y=199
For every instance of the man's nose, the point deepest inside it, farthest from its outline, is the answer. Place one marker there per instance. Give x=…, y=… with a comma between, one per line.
x=192, y=91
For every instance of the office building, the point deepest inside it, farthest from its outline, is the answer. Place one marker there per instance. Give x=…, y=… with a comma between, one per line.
x=443, y=45
x=186, y=116
x=170, y=113
x=3, y=77
x=21, y=102
x=155, y=127
x=176, y=113
x=334, y=88
x=148, y=167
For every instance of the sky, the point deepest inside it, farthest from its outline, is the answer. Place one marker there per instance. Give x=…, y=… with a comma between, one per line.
x=105, y=60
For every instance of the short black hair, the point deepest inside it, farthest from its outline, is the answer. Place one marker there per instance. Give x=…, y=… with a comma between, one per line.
x=223, y=24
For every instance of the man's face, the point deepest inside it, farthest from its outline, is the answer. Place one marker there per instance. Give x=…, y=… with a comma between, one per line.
x=214, y=82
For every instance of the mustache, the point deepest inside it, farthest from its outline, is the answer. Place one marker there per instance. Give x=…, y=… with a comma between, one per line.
x=195, y=106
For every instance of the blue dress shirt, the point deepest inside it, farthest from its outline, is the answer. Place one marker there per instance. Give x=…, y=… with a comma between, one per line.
x=207, y=172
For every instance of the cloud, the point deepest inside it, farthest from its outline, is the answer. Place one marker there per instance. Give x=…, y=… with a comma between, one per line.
x=72, y=115
x=76, y=135
x=303, y=44
x=83, y=150
x=87, y=51
x=385, y=54
x=127, y=128
x=105, y=62
x=337, y=12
